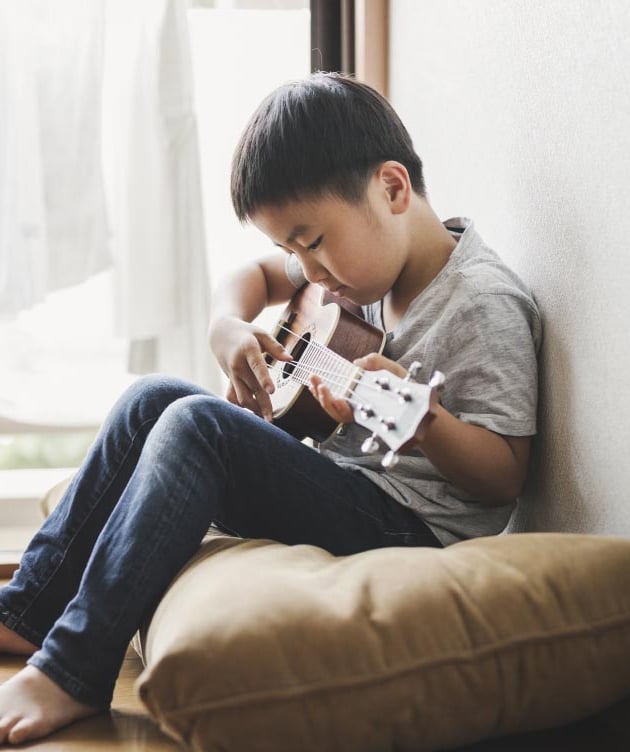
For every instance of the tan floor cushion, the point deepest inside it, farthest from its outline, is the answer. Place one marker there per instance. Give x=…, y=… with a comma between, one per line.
x=261, y=646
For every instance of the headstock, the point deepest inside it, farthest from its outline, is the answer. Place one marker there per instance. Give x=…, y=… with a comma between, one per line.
x=393, y=408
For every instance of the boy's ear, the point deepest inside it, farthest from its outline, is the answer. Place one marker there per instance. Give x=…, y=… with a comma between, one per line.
x=397, y=186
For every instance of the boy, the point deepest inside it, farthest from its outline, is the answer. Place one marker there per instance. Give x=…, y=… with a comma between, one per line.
x=327, y=171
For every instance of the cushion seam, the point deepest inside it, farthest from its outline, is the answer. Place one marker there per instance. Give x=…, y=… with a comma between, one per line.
x=285, y=693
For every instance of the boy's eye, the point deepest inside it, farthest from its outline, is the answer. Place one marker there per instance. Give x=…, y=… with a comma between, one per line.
x=313, y=246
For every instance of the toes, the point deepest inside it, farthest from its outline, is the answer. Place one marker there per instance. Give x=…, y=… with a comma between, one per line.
x=6, y=725
x=24, y=729
x=18, y=733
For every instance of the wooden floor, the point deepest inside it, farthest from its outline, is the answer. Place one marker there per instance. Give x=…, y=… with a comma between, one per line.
x=125, y=728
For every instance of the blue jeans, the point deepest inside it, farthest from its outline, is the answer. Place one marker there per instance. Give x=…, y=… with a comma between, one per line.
x=170, y=460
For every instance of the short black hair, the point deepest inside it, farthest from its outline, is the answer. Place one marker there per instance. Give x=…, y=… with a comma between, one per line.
x=325, y=134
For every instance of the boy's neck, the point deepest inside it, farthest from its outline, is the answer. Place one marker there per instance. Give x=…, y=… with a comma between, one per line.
x=429, y=249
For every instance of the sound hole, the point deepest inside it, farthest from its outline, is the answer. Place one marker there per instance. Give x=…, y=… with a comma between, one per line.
x=296, y=354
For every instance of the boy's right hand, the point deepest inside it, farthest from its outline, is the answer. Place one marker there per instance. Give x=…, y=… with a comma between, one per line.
x=239, y=347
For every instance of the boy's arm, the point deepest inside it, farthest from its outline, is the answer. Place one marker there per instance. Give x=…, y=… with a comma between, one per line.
x=237, y=343
x=488, y=465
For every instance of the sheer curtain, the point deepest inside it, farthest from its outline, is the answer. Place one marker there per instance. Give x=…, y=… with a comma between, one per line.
x=158, y=239
x=99, y=165
x=52, y=203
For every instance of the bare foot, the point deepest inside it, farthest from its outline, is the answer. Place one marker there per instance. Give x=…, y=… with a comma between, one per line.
x=13, y=643
x=32, y=706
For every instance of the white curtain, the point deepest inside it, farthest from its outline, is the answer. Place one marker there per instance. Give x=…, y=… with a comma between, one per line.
x=158, y=242
x=52, y=203
x=97, y=114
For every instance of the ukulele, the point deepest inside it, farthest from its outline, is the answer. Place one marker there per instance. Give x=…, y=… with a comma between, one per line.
x=323, y=338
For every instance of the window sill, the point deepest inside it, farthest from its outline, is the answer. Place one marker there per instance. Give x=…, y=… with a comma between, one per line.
x=21, y=491
x=20, y=513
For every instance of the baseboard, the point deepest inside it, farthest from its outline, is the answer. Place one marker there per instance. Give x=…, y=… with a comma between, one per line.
x=9, y=562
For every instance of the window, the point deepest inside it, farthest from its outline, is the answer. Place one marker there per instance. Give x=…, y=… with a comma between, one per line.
x=62, y=365
x=239, y=56
x=62, y=368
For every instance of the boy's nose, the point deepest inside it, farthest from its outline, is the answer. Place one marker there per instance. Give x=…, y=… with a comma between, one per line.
x=315, y=272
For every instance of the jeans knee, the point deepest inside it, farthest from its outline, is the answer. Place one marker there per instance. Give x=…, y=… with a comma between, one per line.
x=149, y=396
x=189, y=410
x=200, y=418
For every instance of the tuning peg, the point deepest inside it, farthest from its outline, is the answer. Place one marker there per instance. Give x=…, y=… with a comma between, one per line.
x=413, y=371
x=437, y=380
x=383, y=383
x=404, y=394
x=370, y=445
x=390, y=460
x=366, y=411
x=389, y=424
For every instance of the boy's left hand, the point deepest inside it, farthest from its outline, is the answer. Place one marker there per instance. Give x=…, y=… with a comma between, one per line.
x=338, y=408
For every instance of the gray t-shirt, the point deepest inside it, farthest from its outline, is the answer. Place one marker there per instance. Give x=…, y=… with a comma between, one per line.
x=478, y=324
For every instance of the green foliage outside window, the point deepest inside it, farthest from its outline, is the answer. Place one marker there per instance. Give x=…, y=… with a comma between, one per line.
x=44, y=450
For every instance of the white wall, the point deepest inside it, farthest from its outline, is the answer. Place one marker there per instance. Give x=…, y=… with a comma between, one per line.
x=520, y=110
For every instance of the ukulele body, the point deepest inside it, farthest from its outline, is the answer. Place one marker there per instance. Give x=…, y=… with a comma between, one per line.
x=310, y=317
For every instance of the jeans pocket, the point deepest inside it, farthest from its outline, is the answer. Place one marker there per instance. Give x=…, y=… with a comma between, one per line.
x=407, y=539
x=397, y=538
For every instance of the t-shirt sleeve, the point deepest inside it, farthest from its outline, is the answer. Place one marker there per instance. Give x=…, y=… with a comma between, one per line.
x=294, y=271
x=490, y=364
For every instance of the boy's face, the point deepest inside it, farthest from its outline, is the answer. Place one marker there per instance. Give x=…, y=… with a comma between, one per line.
x=355, y=251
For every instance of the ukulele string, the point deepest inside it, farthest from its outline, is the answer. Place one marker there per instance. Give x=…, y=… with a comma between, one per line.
x=328, y=356
x=352, y=402
x=332, y=378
